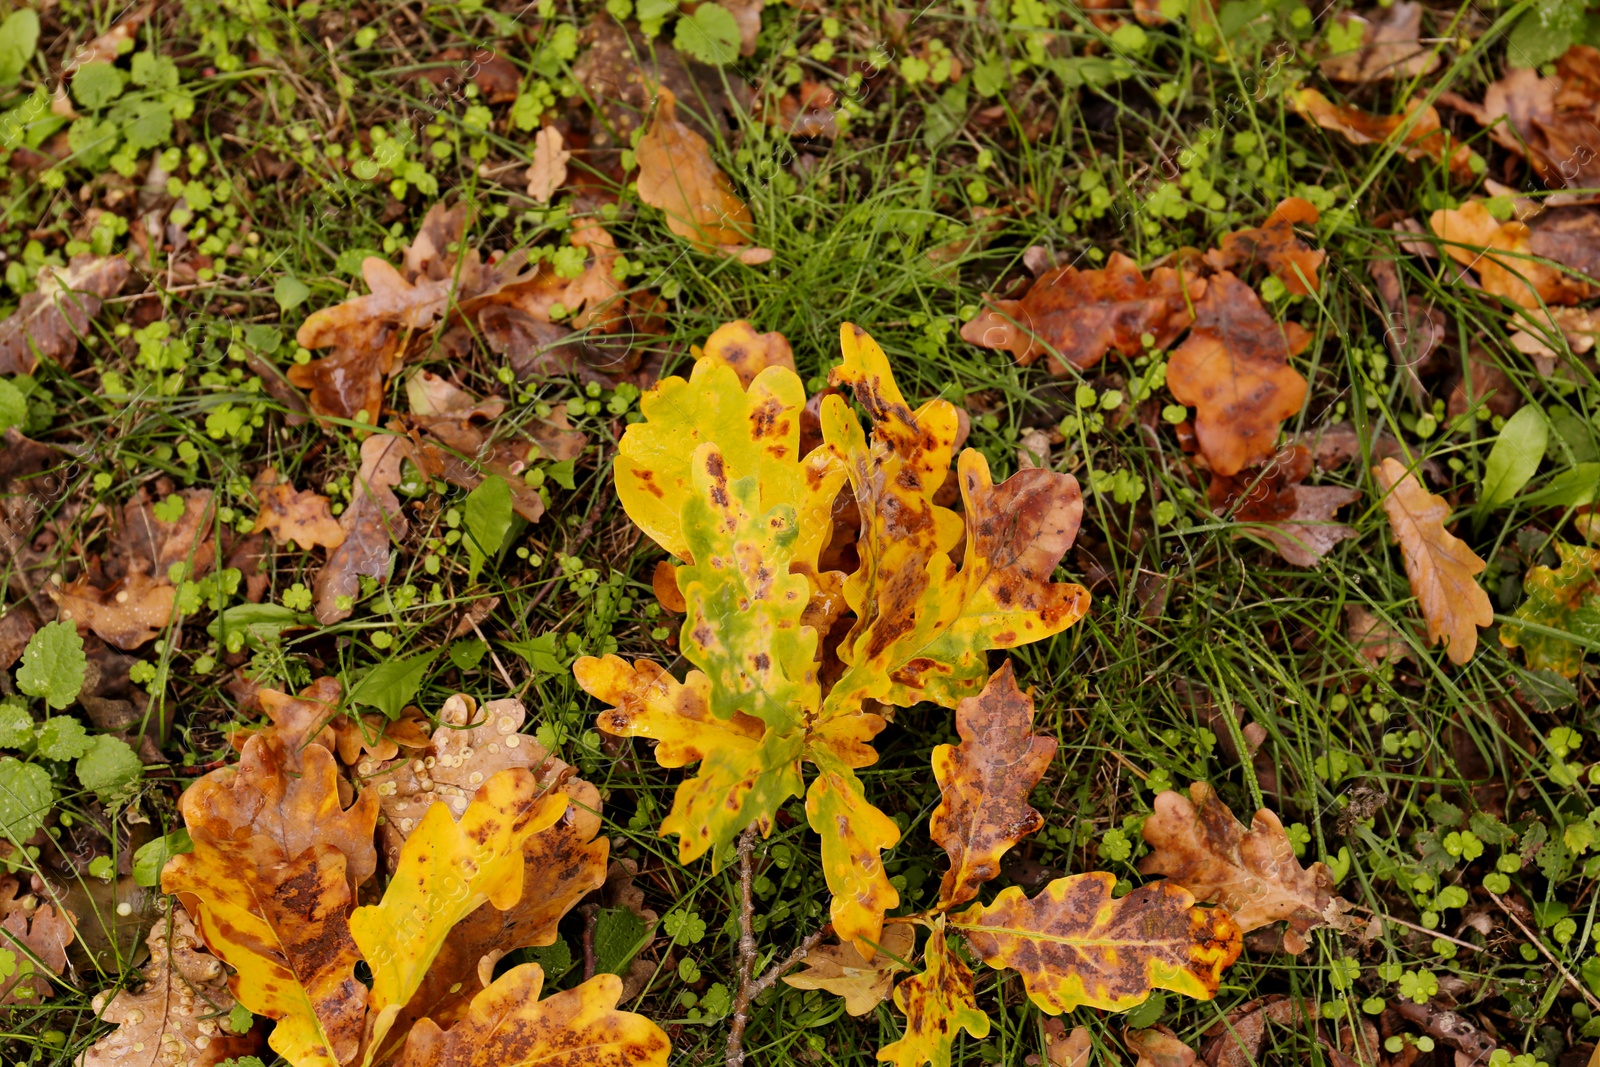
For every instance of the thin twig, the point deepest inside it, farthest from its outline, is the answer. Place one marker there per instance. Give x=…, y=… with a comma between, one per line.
x=1381, y=917
x=747, y=948
x=590, y=913
x=1546, y=953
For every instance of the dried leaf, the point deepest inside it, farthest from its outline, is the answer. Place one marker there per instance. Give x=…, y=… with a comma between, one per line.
x=984, y=784
x=45, y=930
x=302, y=517
x=1375, y=640
x=270, y=883
x=1424, y=138
x=1550, y=120
x=1252, y=872
x=937, y=1003
x=842, y=971
x=1158, y=1047
x=146, y=543
x=1565, y=598
x=1234, y=369
x=49, y=321
x=1075, y=317
x=1389, y=47
x=130, y=613
x=1471, y=236
x=1275, y=246
x=1066, y=1049
x=446, y=870
x=1296, y=519
x=508, y=1024
x=298, y=721
x=371, y=521
x=749, y=353
x=549, y=170
x=677, y=175
x=179, y=1017
x=1075, y=946
x=1441, y=567
x=1238, y=1040
x=747, y=14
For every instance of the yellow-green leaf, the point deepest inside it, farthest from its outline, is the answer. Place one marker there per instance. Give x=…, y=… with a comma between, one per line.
x=1075, y=946
x=447, y=870
x=937, y=1003
x=1565, y=598
x=509, y=1026
x=853, y=833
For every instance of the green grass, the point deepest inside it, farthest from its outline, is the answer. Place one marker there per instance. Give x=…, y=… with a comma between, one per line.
x=1146, y=691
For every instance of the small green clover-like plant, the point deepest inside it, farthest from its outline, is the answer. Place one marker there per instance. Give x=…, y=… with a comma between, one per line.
x=53, y=665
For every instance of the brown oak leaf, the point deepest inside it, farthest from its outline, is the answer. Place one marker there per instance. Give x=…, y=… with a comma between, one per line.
x=1158, y=1047
x=300, y=516
x=677, y=175
x=1076, y=316
x=1276, y=246
x=1425, y=137
x=1502, y=255
x=1441, y=567
x=1233, y=368
x=1197, y=843
x=841, y=970
x=371, y=521
x=1389, y=46
x=49, y=321
x=44, y=930
x=1549, y=120
x=128, y=614
x=549, y=170
x=1238, y=1040
x=1298, y=520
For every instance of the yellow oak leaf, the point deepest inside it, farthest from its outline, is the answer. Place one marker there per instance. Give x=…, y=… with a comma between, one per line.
x=843, y=971
x=938, y=1003
x=1075, y=946
x=853, y=834
x=508, y=1024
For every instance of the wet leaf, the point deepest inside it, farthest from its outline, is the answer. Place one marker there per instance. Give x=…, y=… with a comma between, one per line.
x=1548, y=120
x=1074, y=317
x=1064, y=1048
x=43, y=929
x=1502, y=255
x=1075, y=946
x=1234, y=369
x=1158, y=1047
x=174, y=1018
x=1275, y=246
x=1197, y=843
x=938, y=1003
x=1565, y=598
x=371, y=521
x=677, y=175
x=1297, y=520
x=53, y=667
x=1441, y=567
x=1424, y=137
x=749, y=353
x=842, y=971
x=302, y=517
x=984, y=783
x=549, y=170
x=1389, y=46
x=508, y=1024
x=49, y=321
x=128, y=614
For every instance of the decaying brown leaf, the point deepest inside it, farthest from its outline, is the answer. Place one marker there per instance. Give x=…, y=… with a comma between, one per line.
x=747, y=15
x=1389, y=46
x=49, y=321
x=984, y=784
x=1424, y=138
x=146, y=543
x=677, y=175
x=1075, y=317
x=179, y=1016
x=1234, y=369
x=1376, y=641
x=1064, y=1048
x=302, y=517
x=1158, y=1047
x=1197, y=843
x=371, y=521
x=549, y=170
x=841, y=970
x=1275, y=246
x=1549, y=120
x=1441, y=567
x=44, y=930
x=1297, y=519
x=128, y=614
x=1238, y=1040
x=1502, y=255
x=749, y=353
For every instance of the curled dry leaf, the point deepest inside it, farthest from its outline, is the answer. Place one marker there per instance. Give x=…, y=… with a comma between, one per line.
x=841, y=970
x=302, y=517
x=1502, y=255
x=45, y=930
x=49, y=320
x=677, y=175
x=1296, y=519
x=1275, y=246
x=1550, y=120
x=1564, y=598
x=1389, y=46
x=1064, y=1048
x=984, y=783
x=549, y=170
x=1252, y=872
x=1158, y=1047
x=508, y=1023
x=371, y=521
x=749, y=353
x=146, y=543
x=1076, y=316
x=1373, y=639
x=1076, y=946
x=1441, y=567
x=1424, y=137
x=128, y=614
x=938, y=1004
x=1233, y=368
x=179, y=1016
x=1237, y=1041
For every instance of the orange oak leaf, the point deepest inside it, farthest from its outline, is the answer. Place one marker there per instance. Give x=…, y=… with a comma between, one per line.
x=843, y=971
x=1502, y=255
x=1074, y=317
x=1424, y=138
x=1158, y=1047
x=302, y=517
x=1199, y=845
x=677, y=175
x=1441, y=567
x=1233, y=368
x=985, y=782
x=128, y=614
x=49, y=321
x=1275, y=246
x=749, y=353
x=1076, y=946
